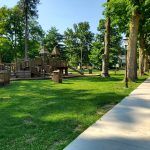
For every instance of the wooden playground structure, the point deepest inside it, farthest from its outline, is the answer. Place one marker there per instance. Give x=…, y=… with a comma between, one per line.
x=41, y=66
x=45, y=65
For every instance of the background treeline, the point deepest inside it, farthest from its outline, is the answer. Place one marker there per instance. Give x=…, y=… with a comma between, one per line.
x=19, y=26
x=76, y=40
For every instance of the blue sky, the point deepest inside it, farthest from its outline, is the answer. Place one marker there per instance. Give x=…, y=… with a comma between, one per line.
x=64, y=13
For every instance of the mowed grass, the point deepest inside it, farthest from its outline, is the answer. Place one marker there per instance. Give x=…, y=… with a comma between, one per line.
x=43, y=115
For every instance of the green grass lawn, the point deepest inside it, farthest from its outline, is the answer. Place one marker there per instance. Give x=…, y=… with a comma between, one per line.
x=42, y=115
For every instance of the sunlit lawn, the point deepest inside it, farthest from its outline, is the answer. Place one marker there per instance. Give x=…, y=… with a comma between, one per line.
x=42, y=115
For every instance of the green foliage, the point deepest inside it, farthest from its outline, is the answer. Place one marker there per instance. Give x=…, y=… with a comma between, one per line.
x=29, y=11
x=96, y=52
x=144, y=28
x=34, y=47
x=5, y=53
x=29, y=7
x=121, y=11
x=3, y=20
x=12, y=29
x=98, y=46
x=36, y=38
x=78, y=42
x=52, y=39
x=72, y=47
x=117, y=10
x=36, y=31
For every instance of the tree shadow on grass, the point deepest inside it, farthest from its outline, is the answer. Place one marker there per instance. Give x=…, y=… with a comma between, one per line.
x=43, y=116
x=99, y=79
x=140, y=80
x=114, y=78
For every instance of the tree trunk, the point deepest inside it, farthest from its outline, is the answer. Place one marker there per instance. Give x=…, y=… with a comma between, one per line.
x=105, y=59
x=26, y=30
x=132, y=48
x=15, y=48
x=141, y=55
x=81, y=55
x=0, y=58
x=146, y=63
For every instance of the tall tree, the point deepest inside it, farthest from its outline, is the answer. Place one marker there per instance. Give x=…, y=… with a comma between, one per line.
x=132, y=47
x=84, y=39
x=10, y=27
x=141, y=54
x=29, y=8
x=144, y=31
x=147, y=46
x=129, y=12
x=15, y=28
x=105, y=57
x=96, y=52
x=36, y=38
x=72, y=47
x=138, y=11
x=98, y=46
x=12, y=32
x=78, y=43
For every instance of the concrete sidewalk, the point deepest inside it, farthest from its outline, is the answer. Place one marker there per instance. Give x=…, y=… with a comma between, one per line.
x=125, y=127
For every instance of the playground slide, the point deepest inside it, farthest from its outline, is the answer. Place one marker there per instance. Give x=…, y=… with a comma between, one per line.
x=74, y=69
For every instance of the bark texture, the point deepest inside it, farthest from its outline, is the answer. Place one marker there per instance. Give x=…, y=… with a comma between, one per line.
x=105, y=59
x=0, y=59
x=132, y=47
x=146, y=63
x=141, y=55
